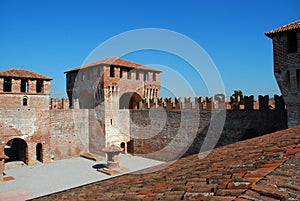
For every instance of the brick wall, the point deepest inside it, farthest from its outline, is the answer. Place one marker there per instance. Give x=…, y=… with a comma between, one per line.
x=30, y=125
x=15, y=101
x=239, y=125
x=69, y=133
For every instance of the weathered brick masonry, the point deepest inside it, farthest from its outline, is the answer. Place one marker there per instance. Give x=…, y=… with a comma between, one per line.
x=239, y=125
x=286, y=50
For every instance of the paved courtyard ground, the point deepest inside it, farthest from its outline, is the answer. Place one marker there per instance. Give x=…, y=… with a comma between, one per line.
x=43, y=179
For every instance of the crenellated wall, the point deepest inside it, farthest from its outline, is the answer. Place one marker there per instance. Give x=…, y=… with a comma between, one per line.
x=164, y=126
x=74, y=131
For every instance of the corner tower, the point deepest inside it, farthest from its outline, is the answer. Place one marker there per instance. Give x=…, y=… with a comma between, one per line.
x=111, y=87
x=24, y=116
x=24, y=89
x=286, y=51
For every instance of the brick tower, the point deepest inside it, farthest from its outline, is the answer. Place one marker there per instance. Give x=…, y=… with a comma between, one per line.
x=111, y=86
x=24, y=116
x=286, y=51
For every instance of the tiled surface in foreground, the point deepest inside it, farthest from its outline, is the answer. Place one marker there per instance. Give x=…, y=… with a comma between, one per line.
x=263, y=168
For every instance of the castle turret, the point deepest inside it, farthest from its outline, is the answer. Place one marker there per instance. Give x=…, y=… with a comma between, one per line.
x=286, y=51
x=23, y=88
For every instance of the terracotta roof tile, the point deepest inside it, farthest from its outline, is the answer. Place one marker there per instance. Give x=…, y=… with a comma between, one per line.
x=288, y=27
x=117, y=62
x=262, y=168
x=12, y=72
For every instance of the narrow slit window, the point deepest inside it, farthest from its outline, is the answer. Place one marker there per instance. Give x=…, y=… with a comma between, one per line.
x=137, y=75
x=298, y=79
x=288, y=79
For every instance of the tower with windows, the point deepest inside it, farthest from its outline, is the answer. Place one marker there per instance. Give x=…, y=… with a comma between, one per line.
x=24, y=116
x=112, y=87
x=286, y=51
x=24, y=89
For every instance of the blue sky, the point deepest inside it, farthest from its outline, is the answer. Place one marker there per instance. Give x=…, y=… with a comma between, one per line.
x=50, y=37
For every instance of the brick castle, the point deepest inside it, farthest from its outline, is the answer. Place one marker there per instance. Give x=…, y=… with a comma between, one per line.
x=109, y=101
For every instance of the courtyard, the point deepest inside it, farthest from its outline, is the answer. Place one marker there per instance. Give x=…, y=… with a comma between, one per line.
x=42, y=179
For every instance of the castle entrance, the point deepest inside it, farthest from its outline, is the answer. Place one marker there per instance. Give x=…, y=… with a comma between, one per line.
x=130, y=101
x=16, y=149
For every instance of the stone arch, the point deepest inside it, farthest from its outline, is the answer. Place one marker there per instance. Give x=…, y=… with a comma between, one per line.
x=124, y=147
x=17, y=150
x=39, y=152
x=130, y=100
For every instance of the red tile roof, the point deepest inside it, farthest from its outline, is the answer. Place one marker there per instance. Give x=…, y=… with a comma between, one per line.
x=117, y=62
x=262, y=168
x=12, y=72
x=288, y=27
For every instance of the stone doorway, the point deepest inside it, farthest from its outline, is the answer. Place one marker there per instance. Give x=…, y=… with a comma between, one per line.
x=17, y=150
x=130, y=147
x=39, y=152
x=123, y=147
x=130, y=101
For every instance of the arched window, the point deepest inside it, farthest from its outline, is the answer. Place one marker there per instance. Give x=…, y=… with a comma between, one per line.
x=25, y=102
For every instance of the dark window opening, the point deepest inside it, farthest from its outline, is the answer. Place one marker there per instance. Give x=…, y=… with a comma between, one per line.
x=121, y=72
x=24, y=102
x=154, y=76
x=112, y=71
x=146, y=78
x=292, y=42
x=39, y=152
x=298, y=80
x=128, y=74
x=110, y=121
x=137, y=73
x=24, y=85
x=7, y=85
x=39, y=86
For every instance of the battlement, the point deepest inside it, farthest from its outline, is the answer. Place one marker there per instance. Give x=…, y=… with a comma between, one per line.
x=217, y=102
x=200, y=103
x=59, y=104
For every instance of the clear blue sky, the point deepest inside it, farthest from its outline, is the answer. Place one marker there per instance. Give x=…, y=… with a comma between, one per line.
x=50, y=37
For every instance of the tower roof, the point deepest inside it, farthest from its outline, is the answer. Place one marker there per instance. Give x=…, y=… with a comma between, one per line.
x=292, y=26
x=12, y=72
x=117, y=62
